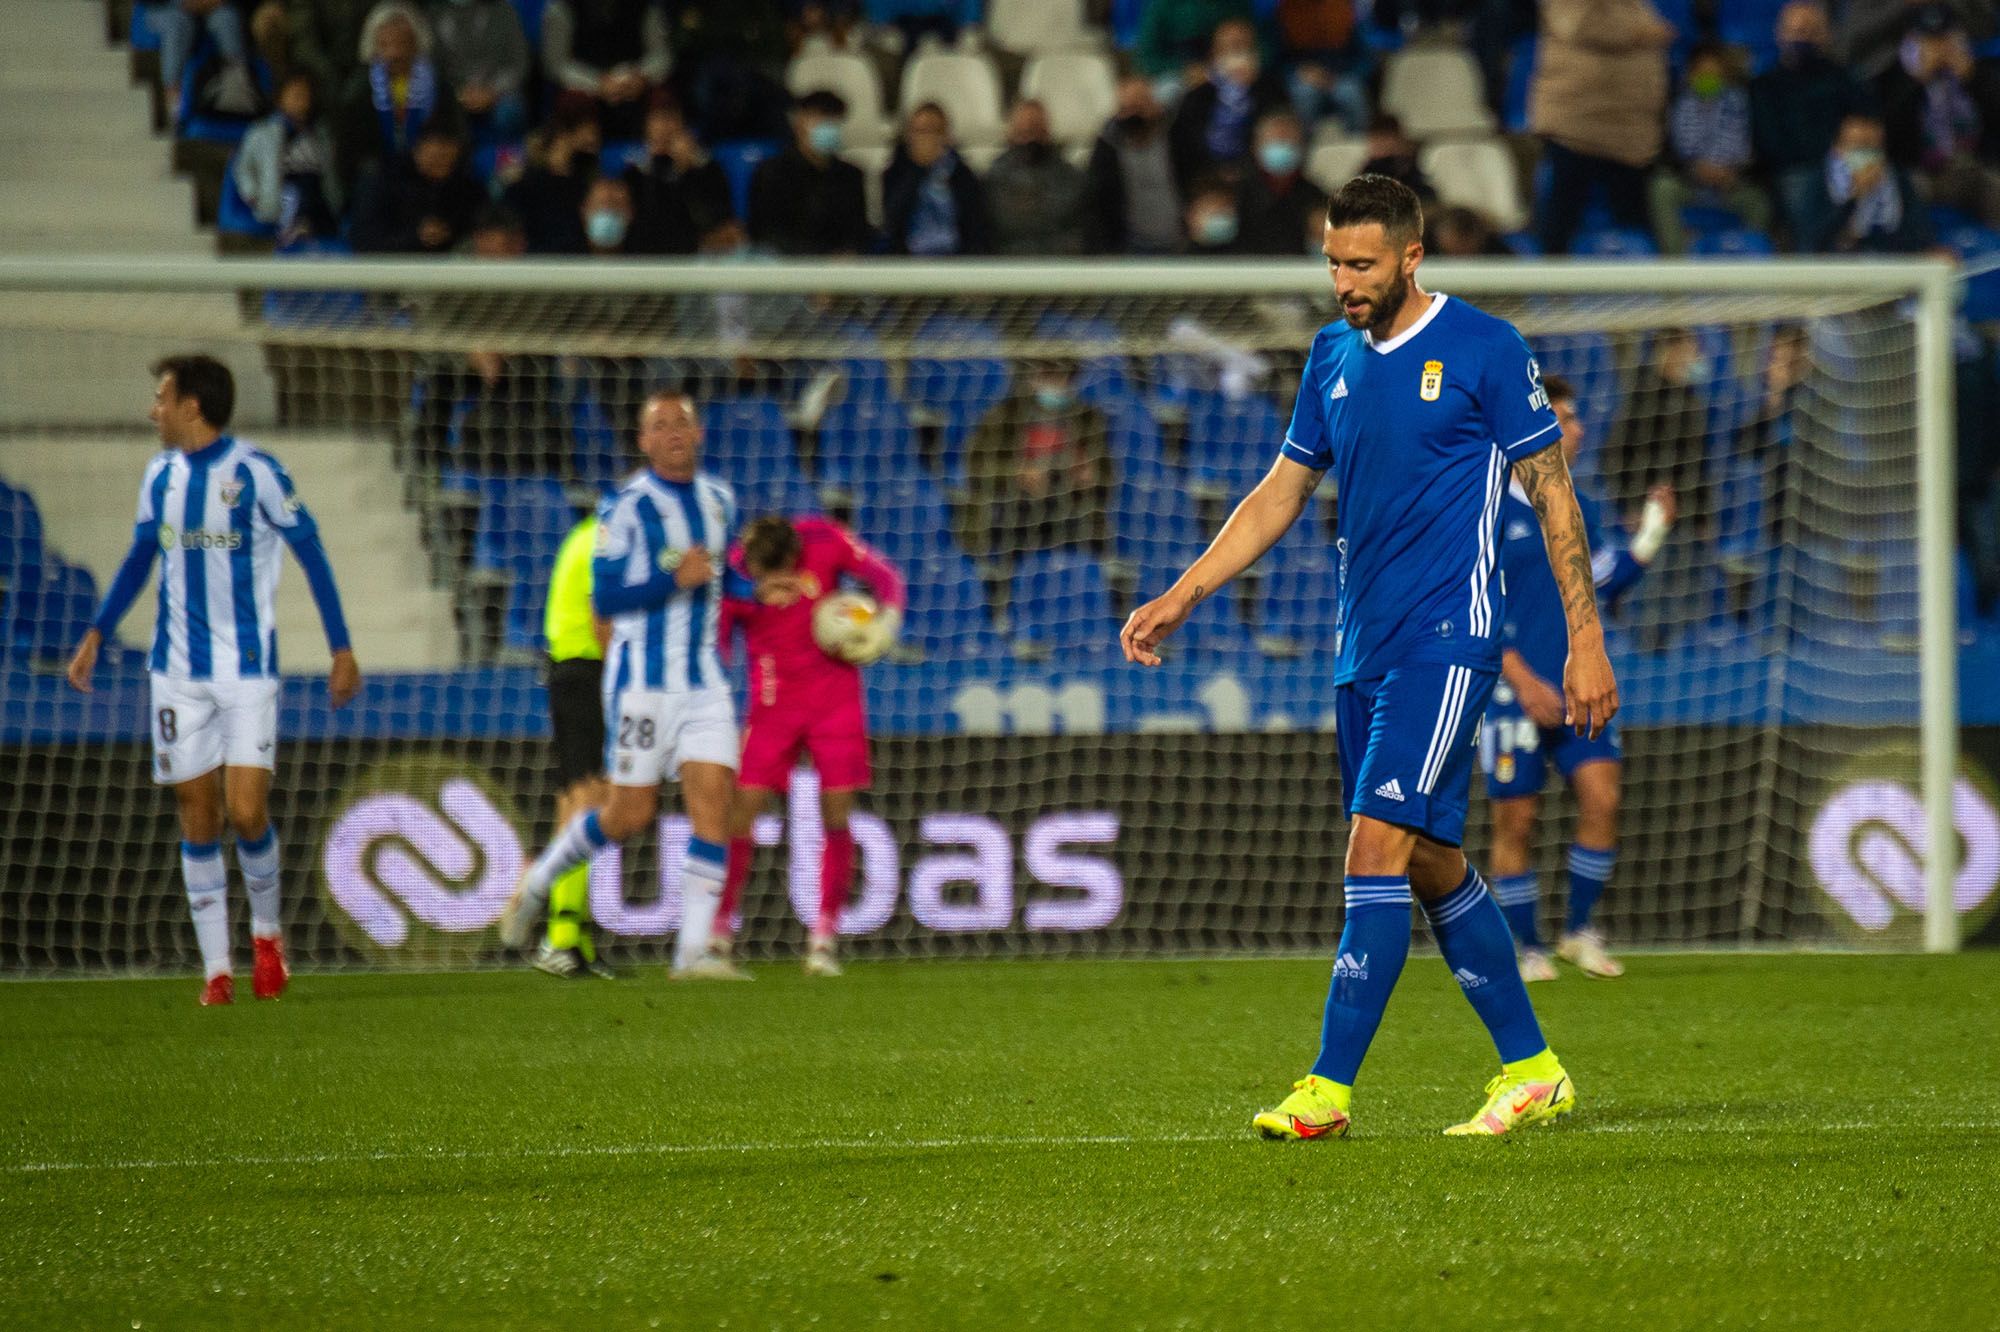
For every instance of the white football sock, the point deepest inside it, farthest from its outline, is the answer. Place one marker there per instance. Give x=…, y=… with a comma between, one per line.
x=259, y=862
x=580, y=839
x=701, y=894
x=208, y=902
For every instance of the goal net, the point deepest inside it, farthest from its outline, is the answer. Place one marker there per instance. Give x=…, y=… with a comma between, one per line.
x=1035, y=448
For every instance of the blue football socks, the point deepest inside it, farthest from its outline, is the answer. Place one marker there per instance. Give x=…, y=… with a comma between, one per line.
x=1479, y=948
x=1373, y=947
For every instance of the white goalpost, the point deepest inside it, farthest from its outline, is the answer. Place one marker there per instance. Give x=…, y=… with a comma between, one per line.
x=1036, y=445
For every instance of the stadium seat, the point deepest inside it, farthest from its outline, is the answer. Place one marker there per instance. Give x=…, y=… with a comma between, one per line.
x=853, y=77
x=619, y=155
x=948, y=615
x=531, y=20
x=1231, y=442
x=1079, y=88
x=1479, y=174
x=965, y=84
x=1520, y=77
x=1615, y=243
x=1298, y=602
x=53, y=617
x=747, y=442
x=906, y=520
x=1436, y=91
x=1590, y=364
x=863, y=444
x=1136, y=447
x=859, y=362
x=872, y=160
x=191, y=122
x=1061, y=601
x=233, y=216
x=1331, y=163
x=1154, y=521
x=961, y=388
x=1033, y=27
x=521, y=524
x=1732, y=243
x=739, y=160
x=1974, y=246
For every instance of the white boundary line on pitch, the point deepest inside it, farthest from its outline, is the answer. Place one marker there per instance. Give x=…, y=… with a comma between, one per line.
x=890, y=1145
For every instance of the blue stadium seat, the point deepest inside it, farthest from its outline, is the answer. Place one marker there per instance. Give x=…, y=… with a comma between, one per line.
x=1520, y=76
x=1589, y=363
x=143, y=35
x=1298, y=602
x=614, y=157
x=1978, y=245
x=961, y=387
x=1231, y=442
x=53, y=618
x=233, y=216
x=530, y=12
x=1155, y=524
x=22, y=555
x=1522, y=243
x=793, y=497
x=1061, y=601
x=1614, y=243
x=948, y=615
x=907, y=521
x=1732, y=243
x=527, y=605
x=739, y=159
x=522, y=521
x=1135, y=443
x=747, y=442
x=864, y=443
x=191, y=122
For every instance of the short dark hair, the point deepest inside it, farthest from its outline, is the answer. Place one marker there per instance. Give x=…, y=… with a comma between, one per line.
x=1371, y=198
x=206, y=380
x=771, y=543
x=822, y=102
x=498, y=217
x=1558, y=389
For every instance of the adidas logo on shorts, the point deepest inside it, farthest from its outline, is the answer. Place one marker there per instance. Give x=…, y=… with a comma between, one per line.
x=1390, y=790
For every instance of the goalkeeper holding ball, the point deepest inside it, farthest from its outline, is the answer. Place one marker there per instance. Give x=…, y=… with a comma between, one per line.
x=805, y=701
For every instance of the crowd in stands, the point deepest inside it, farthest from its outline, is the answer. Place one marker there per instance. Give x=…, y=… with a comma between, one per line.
x=1060, y=127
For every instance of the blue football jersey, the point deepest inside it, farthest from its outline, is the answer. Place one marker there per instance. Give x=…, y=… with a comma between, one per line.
x=646, y=527
x=1534, y=624
x=1420, y=432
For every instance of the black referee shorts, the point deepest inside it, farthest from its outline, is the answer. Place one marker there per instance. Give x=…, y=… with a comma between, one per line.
x=576, y=710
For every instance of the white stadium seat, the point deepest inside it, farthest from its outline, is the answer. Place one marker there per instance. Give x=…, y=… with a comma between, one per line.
x=873, y=159
x=1436, y=91
x=1026, y=27
x=965, y=84
x=1334, y=162
x=853, y=77
x=1478, y=174
x=1079, y=88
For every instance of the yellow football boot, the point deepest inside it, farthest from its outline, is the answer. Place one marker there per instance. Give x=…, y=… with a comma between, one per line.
x=1514, y=1101
x=1313, y=1110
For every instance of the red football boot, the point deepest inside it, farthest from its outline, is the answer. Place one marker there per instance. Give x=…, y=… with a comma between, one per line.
x=268, y=978
x=219, y=990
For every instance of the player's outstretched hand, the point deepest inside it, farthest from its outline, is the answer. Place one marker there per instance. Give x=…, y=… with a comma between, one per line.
x=343, y=681
x=85, y=661
x=695, y=568
x=1590, y=693
x=1149, y=626
x=1542, y=701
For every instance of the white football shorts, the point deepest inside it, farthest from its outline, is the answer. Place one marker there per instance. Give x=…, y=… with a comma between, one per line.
x=201, y=725
x=649, y=734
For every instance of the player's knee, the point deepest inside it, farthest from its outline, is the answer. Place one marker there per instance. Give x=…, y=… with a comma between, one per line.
x=1377, y=848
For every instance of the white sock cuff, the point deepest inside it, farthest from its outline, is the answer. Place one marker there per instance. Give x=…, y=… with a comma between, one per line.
x=259, y=861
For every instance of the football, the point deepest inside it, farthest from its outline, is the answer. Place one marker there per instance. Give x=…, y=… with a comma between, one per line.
x=852, y=627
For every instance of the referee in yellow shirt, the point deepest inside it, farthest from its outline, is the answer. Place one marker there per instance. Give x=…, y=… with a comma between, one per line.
x=576, y=710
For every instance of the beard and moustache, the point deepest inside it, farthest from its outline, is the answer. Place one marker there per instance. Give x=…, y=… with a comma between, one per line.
x=1382, y=308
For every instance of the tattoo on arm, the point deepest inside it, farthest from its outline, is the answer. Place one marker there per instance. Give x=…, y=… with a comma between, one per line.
x=1545, y=476
x=1194, y=597
x=1310, y=485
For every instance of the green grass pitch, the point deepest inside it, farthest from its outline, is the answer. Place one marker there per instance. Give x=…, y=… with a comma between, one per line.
x=1782, y=1141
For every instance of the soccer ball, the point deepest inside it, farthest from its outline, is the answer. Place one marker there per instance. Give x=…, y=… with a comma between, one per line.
x=852, y=627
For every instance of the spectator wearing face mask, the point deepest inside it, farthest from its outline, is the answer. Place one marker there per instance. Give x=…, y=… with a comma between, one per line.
x=562, y=161
x=1131, y=203
x=1035, y=195
x=678, y=194
x=607, y=218
x=1039, y=473
x=1393, y=153
x=484, y=56
x=423, y=204
x=1212, y=128
x=1662, y=438
x=807, y=200
x=284, y=170
x=1274, y=200
x=395, y=97
x=1796, y=108
x=932, y=204
x=1211, y=221
x=1866, y=204
x=609, y=55
x=1708, y=141
x=1941, y=114
x=1175, y=37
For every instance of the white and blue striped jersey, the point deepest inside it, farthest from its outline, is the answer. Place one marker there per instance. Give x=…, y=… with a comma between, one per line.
x=1421, y=432
x=215, y=517
x=663, y=637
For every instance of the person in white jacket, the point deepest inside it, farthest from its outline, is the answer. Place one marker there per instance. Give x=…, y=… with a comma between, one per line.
x=284, y=168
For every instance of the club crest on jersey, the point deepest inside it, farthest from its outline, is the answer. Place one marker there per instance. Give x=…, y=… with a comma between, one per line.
x=232, y=491
x=1503, y=768
x=1433, y=383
